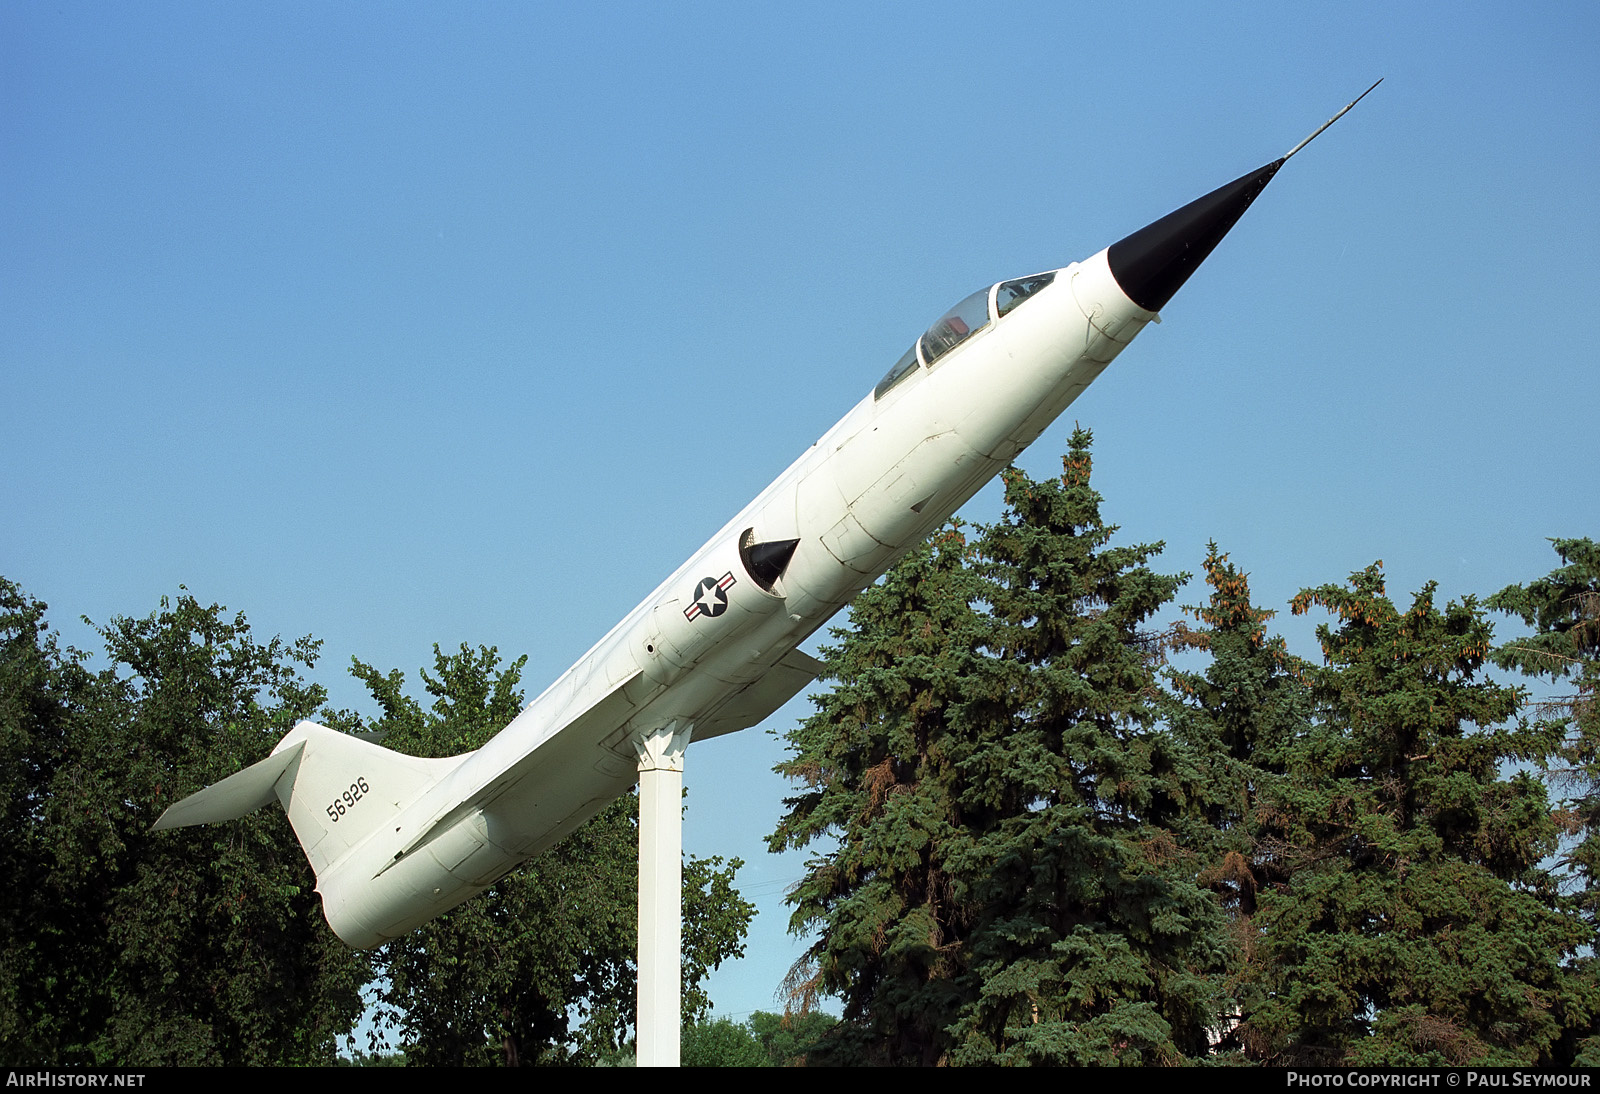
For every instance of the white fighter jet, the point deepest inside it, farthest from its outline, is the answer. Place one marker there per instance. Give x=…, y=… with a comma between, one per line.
x=396, y=840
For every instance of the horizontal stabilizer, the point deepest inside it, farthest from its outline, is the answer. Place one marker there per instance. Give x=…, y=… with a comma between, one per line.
x=238, y=794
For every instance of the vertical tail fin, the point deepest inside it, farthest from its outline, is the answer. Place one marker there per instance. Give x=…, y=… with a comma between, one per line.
x=336, y=789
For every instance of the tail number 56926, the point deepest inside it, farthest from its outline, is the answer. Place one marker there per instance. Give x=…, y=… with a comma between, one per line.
x=347, y=801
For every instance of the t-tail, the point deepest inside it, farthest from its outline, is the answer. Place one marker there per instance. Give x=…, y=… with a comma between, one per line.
x=337, y=790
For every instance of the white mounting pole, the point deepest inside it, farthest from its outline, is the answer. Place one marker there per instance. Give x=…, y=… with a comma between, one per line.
x=660, y=1011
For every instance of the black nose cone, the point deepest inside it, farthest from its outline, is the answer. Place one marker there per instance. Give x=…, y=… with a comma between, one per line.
x=1153, y=263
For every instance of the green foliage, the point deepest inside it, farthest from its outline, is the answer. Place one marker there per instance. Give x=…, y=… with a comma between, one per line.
x=720, y=1042
x=789, y=1039
x=137, y=948
x=1005, y=888
x=765, y=1040
x=1564, y=609
x=372, y=1059
x=40, y=692
x=539, y=968
x=1089, y=945
x=207, y=945
x=876, y=768
x=1042, y=856
x=715, y=921
x=1415, y=927
x=1335, y=864
x=1235, y=721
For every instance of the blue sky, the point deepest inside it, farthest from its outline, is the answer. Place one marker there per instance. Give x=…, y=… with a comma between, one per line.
x=399, y=324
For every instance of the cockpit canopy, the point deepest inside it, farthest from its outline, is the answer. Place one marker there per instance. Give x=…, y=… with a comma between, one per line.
x=960, y=323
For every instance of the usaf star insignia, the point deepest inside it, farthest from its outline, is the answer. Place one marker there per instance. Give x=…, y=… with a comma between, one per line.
x=710, y=598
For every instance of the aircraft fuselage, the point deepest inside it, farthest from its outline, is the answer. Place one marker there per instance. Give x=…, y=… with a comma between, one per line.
x=887, y=474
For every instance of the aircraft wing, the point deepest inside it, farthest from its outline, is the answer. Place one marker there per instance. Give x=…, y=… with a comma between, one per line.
x=587, y=729
x=756, y=701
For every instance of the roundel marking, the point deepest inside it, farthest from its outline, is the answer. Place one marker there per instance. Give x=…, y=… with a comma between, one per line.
x=710, y=597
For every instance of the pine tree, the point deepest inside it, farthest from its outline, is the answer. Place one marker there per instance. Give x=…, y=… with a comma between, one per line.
x=1417, y=928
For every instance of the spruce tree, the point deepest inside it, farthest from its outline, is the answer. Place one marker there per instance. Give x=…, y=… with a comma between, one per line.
x=876, y=768
x=1564, y=609
x=1236, y=720
x=1090, y=945
x=1417, y=928
x=1005, y=888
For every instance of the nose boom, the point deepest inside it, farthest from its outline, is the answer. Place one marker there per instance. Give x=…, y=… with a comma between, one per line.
x=1153, y=263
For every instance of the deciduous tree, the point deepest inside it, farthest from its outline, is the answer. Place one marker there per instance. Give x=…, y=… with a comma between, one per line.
x=790, y=1038
x=539, y=969
x=194, y=946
